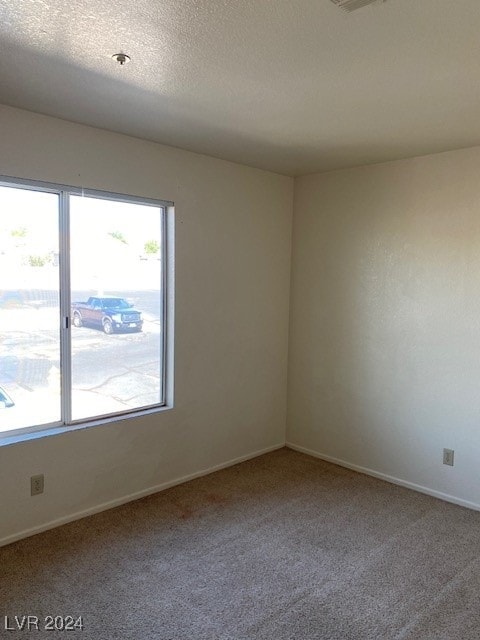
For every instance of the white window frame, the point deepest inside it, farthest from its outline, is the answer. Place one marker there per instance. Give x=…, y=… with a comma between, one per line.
x=167, y=308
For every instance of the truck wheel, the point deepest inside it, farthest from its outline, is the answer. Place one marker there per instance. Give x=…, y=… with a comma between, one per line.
x=107, y=326
x=77, y=319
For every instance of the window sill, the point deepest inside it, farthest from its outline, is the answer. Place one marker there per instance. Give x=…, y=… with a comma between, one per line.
x=19, y=437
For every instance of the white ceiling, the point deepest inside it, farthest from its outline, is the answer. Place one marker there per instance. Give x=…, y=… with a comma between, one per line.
x=295, y=86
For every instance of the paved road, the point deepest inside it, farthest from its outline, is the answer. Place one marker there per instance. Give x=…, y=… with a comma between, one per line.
x=108, y=372
x=146, y=300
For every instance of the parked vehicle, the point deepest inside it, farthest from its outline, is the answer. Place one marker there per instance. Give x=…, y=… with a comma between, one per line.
x=5, y=399
x=107, y=313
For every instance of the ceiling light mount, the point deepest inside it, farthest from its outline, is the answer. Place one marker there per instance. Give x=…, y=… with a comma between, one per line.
x=121, y=58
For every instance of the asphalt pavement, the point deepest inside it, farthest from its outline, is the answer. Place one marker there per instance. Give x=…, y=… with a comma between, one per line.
x=109, y=372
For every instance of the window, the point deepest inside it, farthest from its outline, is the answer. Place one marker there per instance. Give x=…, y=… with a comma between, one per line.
x=84, y=308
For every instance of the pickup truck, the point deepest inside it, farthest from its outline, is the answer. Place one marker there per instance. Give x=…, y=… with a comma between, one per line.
x=107, y=313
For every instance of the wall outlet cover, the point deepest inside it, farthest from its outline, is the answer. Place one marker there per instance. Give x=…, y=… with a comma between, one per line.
x=448, y=457
x=37, y=484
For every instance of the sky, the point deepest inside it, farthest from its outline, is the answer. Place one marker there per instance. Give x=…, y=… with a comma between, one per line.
x=91, y=220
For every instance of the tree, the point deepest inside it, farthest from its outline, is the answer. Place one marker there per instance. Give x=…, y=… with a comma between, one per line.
x=21, y=232
x=118, y=235
x=38, y=261
x=151, y=246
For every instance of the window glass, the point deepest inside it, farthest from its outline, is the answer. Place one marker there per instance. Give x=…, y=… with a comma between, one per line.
x=82, y=305
x=116, y=293
x=29, y=309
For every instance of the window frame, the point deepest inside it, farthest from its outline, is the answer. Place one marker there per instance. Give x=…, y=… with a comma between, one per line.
x=66, y=423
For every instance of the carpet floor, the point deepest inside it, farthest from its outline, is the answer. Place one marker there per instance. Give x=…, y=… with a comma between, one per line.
x=282, y=547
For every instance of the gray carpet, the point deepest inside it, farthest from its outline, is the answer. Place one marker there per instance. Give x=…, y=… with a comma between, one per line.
x=280, y=547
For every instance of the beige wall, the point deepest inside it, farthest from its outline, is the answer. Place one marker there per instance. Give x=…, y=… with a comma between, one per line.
x=385, y=320
x=384, y=366
x=233, y=227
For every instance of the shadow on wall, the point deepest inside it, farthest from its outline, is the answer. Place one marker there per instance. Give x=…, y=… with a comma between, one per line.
x=385, y=344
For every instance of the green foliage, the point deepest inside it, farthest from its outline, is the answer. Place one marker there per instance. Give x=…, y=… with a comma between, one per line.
x=151, y=247
x=21, y=232
x=118, y=235
x=38, y=261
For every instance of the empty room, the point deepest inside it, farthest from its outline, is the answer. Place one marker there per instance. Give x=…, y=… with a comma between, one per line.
x=240, y=319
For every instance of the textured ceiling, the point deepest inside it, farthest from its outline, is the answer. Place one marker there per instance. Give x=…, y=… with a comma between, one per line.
x=295, y=86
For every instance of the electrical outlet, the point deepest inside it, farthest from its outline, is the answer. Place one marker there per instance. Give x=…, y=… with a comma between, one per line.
x=448, y=457
x=36, y=485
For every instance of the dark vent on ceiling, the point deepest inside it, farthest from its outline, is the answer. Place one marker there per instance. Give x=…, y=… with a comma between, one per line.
x=352, y=5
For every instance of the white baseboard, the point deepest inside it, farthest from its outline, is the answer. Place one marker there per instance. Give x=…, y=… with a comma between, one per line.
x=133, y=496
x=384, y=476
